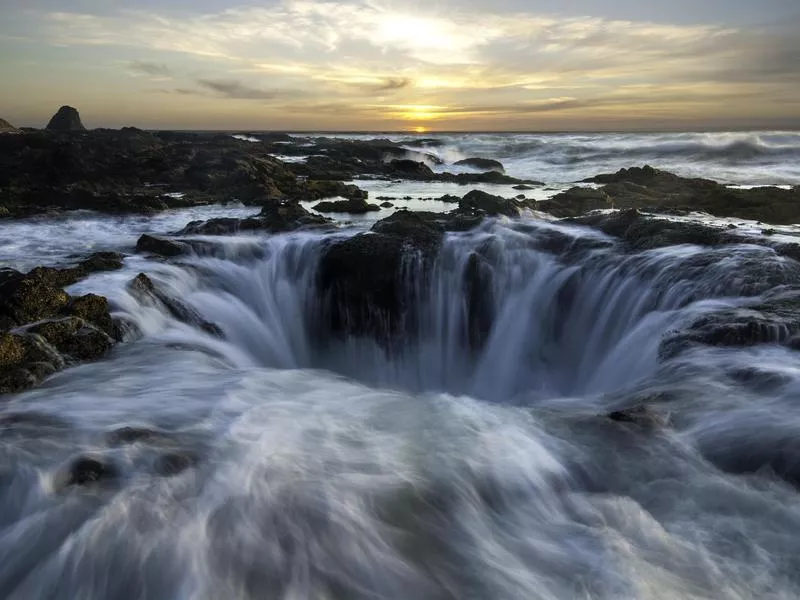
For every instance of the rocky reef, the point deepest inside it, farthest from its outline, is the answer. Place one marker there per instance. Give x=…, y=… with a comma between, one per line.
x=43, y=328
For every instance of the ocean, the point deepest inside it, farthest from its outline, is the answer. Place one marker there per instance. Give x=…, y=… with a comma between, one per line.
x=347, y=470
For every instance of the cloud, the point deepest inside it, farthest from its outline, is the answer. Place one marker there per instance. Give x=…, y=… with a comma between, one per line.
x=240, y=91
x=353, y=54
x=150, y=69
x=393, y=84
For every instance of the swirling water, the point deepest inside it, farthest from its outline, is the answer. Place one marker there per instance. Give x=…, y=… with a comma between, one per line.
x=338, y=470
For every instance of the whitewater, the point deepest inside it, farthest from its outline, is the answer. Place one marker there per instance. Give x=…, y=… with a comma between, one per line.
x=437, y=468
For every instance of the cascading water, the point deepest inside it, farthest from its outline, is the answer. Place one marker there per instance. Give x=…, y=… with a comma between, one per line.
x=467, y=461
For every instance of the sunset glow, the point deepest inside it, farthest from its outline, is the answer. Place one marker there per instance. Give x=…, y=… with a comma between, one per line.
x=359, y=64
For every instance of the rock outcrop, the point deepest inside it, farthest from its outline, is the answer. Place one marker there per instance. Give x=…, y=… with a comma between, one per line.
x=273, y=218
x=346, y=206
x=6, y=127
x=483, y=164
x=659, y=191
x=575, y=201
x=481, y=203
x=43, y=328
x=361, y=279
x=66, y=120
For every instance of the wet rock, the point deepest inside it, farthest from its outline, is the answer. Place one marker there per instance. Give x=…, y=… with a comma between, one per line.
x=25, y=299
x=773, y=320
x=644, y=232
x=93, y=309
x=346, y=206
x=151, y=244
x=523, y=187
x=175, y=463
x=62, y=277
x=143, y=288
x=362, y=280
x=449, y=198
x=410, y=169
x=649, y=188
x=88, y=471
x=575, y=201
x=74, y=338
x=316, y=190
x=478, y=202
x=642, y=415
x=484, y=164
x=387, y=205
x=273, y=218
x=131, y=435
x=479, y=297
x=66, y=120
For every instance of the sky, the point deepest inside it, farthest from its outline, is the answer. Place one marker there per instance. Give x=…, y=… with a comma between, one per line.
x=411, y=65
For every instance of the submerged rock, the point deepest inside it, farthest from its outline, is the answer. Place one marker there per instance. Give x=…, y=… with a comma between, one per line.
x=66, y=119
x=775, y=319
x=87, y=471
x=143, y=288
x=642, y=415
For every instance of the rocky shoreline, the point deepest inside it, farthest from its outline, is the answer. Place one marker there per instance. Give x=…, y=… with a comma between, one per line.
x=43, y=329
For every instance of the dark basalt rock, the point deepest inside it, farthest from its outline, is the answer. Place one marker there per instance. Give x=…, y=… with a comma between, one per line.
x=640, y=231
x=575, y=201
x=273, y=218
x=315, y=190
x=775, y=319
x=485, y=164
x=87, y=471
x=66, y=120
x=410, y=169
x=62, y=277
x=24, y=299
x=151, y=244
x=641, y=415
x=143, y=288
x=74, y=338
x=48, y=328
x=387, y=205
x=346, y=206
x=92, y=309
x=361, y=279
x=649, y=188
x=479, y=297
x=175, y=463
x=478, y=202
x=131, y=435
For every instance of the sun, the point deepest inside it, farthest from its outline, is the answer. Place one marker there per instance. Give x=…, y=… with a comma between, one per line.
x=419, y=129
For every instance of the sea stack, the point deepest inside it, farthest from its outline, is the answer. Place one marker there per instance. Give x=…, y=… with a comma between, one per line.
x=6, y=127
x=66, y=119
